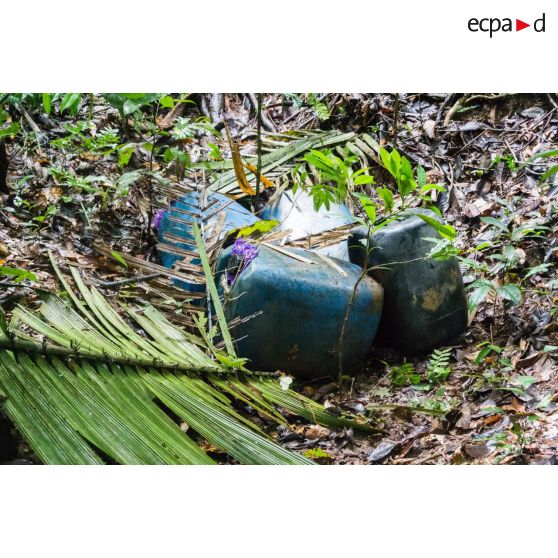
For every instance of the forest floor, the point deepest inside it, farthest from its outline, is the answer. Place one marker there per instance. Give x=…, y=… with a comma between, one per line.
x=496, y=400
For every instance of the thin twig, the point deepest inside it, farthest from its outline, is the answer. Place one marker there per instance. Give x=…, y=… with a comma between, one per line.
x=259, y=164
x=140, y=279
x=395, y=119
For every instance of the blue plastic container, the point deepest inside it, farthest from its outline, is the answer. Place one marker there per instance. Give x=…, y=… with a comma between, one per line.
x=296, y=213
x=304, y=307
x=425, y=302
x=178, y=223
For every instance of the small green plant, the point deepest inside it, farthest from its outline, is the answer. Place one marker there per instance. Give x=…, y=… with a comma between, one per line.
x=543, y=155
x=130, y=103
x=403, y=375
x=337, y=177
x=70, y=102
x=438, y=405
x=187, y=128
x=487, y=349
x=175, y=154
x=530, y=229
x=401, y=170
x=65, y=178
x=7, y=129
x=83, y=137
x=439, y=369
x=214, y=151
x=321, y=110
x=482, y=287
x=495, y=371
x=508, y=160
x=50, y=211
x=338, y=180
x=510, y=442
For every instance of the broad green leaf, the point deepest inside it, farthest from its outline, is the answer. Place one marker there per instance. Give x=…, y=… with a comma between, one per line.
x=543, y=154
x=128, y=103
x=230, y=362
x=363, y=180
x=124, y=182
x=550, y=172
x=428, y=187
x=71, y=102
x=495, y=222
x=129, y=107
x=259, y=227
x=175, y=154
x=542, y=268
x=167, y=102
x=421, y=177
x=445, y=231
x=317, y=453
x=369, y=207
x=526, y=381
x=118, y=257
x=11, y=130
x=481, y=288
x=19, y=274
x=125, y=153
x=47, y=105
x=405, y=185
x=510, y=292
x=386, y=160
x=386, y=195
x=395, y=162
x=545, y=401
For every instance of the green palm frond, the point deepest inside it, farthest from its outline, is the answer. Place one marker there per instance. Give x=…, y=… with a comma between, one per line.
x=279, y=161
x=87, y=384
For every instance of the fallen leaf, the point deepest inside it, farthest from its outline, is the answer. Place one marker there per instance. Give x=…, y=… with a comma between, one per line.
x=381, y=451
x=478, y=451
x=464, y=421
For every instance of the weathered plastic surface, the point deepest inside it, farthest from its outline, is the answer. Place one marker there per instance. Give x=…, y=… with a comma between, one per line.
x=424, y=300
x=236, y=217
x=303, y=309
x=296, y=212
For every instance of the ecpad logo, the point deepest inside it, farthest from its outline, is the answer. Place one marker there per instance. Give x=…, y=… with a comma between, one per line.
x=494, y=24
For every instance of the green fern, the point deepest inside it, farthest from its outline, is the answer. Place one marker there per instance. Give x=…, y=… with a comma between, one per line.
x=320, y=109
x=439, y=369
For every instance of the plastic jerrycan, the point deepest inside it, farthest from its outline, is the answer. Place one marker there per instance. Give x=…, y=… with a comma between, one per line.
x=304, y=309
x=424, y=299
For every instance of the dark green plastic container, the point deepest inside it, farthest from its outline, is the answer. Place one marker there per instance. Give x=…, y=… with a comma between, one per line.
x=424, y=300
x=303, y=307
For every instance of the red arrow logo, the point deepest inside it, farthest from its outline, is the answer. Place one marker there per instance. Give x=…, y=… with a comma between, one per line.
x=519, y=25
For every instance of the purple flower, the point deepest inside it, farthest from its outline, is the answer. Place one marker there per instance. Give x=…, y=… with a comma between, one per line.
x=156, y=221
x=244, y=251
